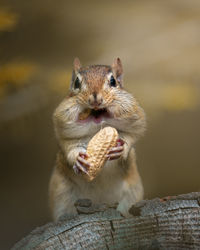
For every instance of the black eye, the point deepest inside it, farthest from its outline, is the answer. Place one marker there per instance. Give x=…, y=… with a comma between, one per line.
x=77, y=84
x=112, y=82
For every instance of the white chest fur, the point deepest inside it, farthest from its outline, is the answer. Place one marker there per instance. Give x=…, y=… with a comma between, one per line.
x=107, y=187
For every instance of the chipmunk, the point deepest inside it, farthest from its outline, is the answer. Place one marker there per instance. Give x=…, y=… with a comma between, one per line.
x=97, y=99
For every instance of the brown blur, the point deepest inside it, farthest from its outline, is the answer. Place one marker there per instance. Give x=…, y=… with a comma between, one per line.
x=159, y=44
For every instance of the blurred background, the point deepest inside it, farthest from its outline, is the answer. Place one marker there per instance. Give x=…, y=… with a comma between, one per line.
x=159, y=44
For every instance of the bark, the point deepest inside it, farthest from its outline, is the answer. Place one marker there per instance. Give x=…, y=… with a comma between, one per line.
x=168, y=223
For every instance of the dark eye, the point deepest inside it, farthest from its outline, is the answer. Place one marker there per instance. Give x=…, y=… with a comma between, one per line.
x=77, y=84
x=112, y=82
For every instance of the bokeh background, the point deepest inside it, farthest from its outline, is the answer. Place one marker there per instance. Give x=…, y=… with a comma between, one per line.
x=159, y=44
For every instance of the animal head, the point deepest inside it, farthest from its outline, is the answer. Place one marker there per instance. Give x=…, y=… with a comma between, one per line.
x=96, y=86
x=97, y=99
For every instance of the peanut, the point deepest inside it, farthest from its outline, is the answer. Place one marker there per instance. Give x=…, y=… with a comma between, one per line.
x=84, y=115
x=98, y=148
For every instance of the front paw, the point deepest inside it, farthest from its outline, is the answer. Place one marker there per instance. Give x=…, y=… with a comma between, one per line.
x=123, y=207
x=116, y=152
x=81, y=165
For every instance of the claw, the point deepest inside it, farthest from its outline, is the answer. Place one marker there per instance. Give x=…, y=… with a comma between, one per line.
x=76, y=169
x=81, y=164
x=117, y=151
x=81, y=167
x=113, y=156
x=82, y=160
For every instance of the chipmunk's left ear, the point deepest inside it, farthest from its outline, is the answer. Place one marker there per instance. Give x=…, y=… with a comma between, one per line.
x=117, y=70
x=77, y=64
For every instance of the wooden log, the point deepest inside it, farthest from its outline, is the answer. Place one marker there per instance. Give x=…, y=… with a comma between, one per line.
x=168, y=223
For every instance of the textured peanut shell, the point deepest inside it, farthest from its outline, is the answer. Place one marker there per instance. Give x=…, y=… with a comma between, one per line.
x=98, y=148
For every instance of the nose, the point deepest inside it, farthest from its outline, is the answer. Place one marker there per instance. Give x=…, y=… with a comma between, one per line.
x=95, y=99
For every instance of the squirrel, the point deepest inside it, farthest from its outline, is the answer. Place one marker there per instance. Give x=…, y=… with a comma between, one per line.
x=97, y=91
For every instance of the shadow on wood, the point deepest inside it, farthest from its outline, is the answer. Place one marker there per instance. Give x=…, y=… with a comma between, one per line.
x=168, y=223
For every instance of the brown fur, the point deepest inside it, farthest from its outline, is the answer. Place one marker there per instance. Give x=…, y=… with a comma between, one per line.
x=119, y=181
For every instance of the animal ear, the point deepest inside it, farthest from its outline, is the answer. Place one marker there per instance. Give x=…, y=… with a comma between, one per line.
x=117, y=69
x=76, y=67
x=77, y=64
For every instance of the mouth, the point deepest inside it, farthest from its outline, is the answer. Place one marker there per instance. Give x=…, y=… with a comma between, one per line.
x=95, y=115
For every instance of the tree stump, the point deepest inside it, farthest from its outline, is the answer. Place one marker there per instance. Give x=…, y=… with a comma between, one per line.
x=168, y=223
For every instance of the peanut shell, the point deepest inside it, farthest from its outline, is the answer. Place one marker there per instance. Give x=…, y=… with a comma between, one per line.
x=84, y=115
x=98, y=148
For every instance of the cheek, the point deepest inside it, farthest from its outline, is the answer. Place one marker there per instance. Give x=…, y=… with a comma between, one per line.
x=116, y=111
x=108, y=96
x=82, y=98
x=121, y=105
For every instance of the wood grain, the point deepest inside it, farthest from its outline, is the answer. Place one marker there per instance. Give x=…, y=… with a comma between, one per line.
x=168, y=223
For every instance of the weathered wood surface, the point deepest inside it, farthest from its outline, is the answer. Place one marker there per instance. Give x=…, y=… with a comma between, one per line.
x=168, y=223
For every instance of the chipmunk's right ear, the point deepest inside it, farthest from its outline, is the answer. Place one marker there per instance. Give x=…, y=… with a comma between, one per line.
x=117, y=70
x=77, y=64
x=75, y=81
